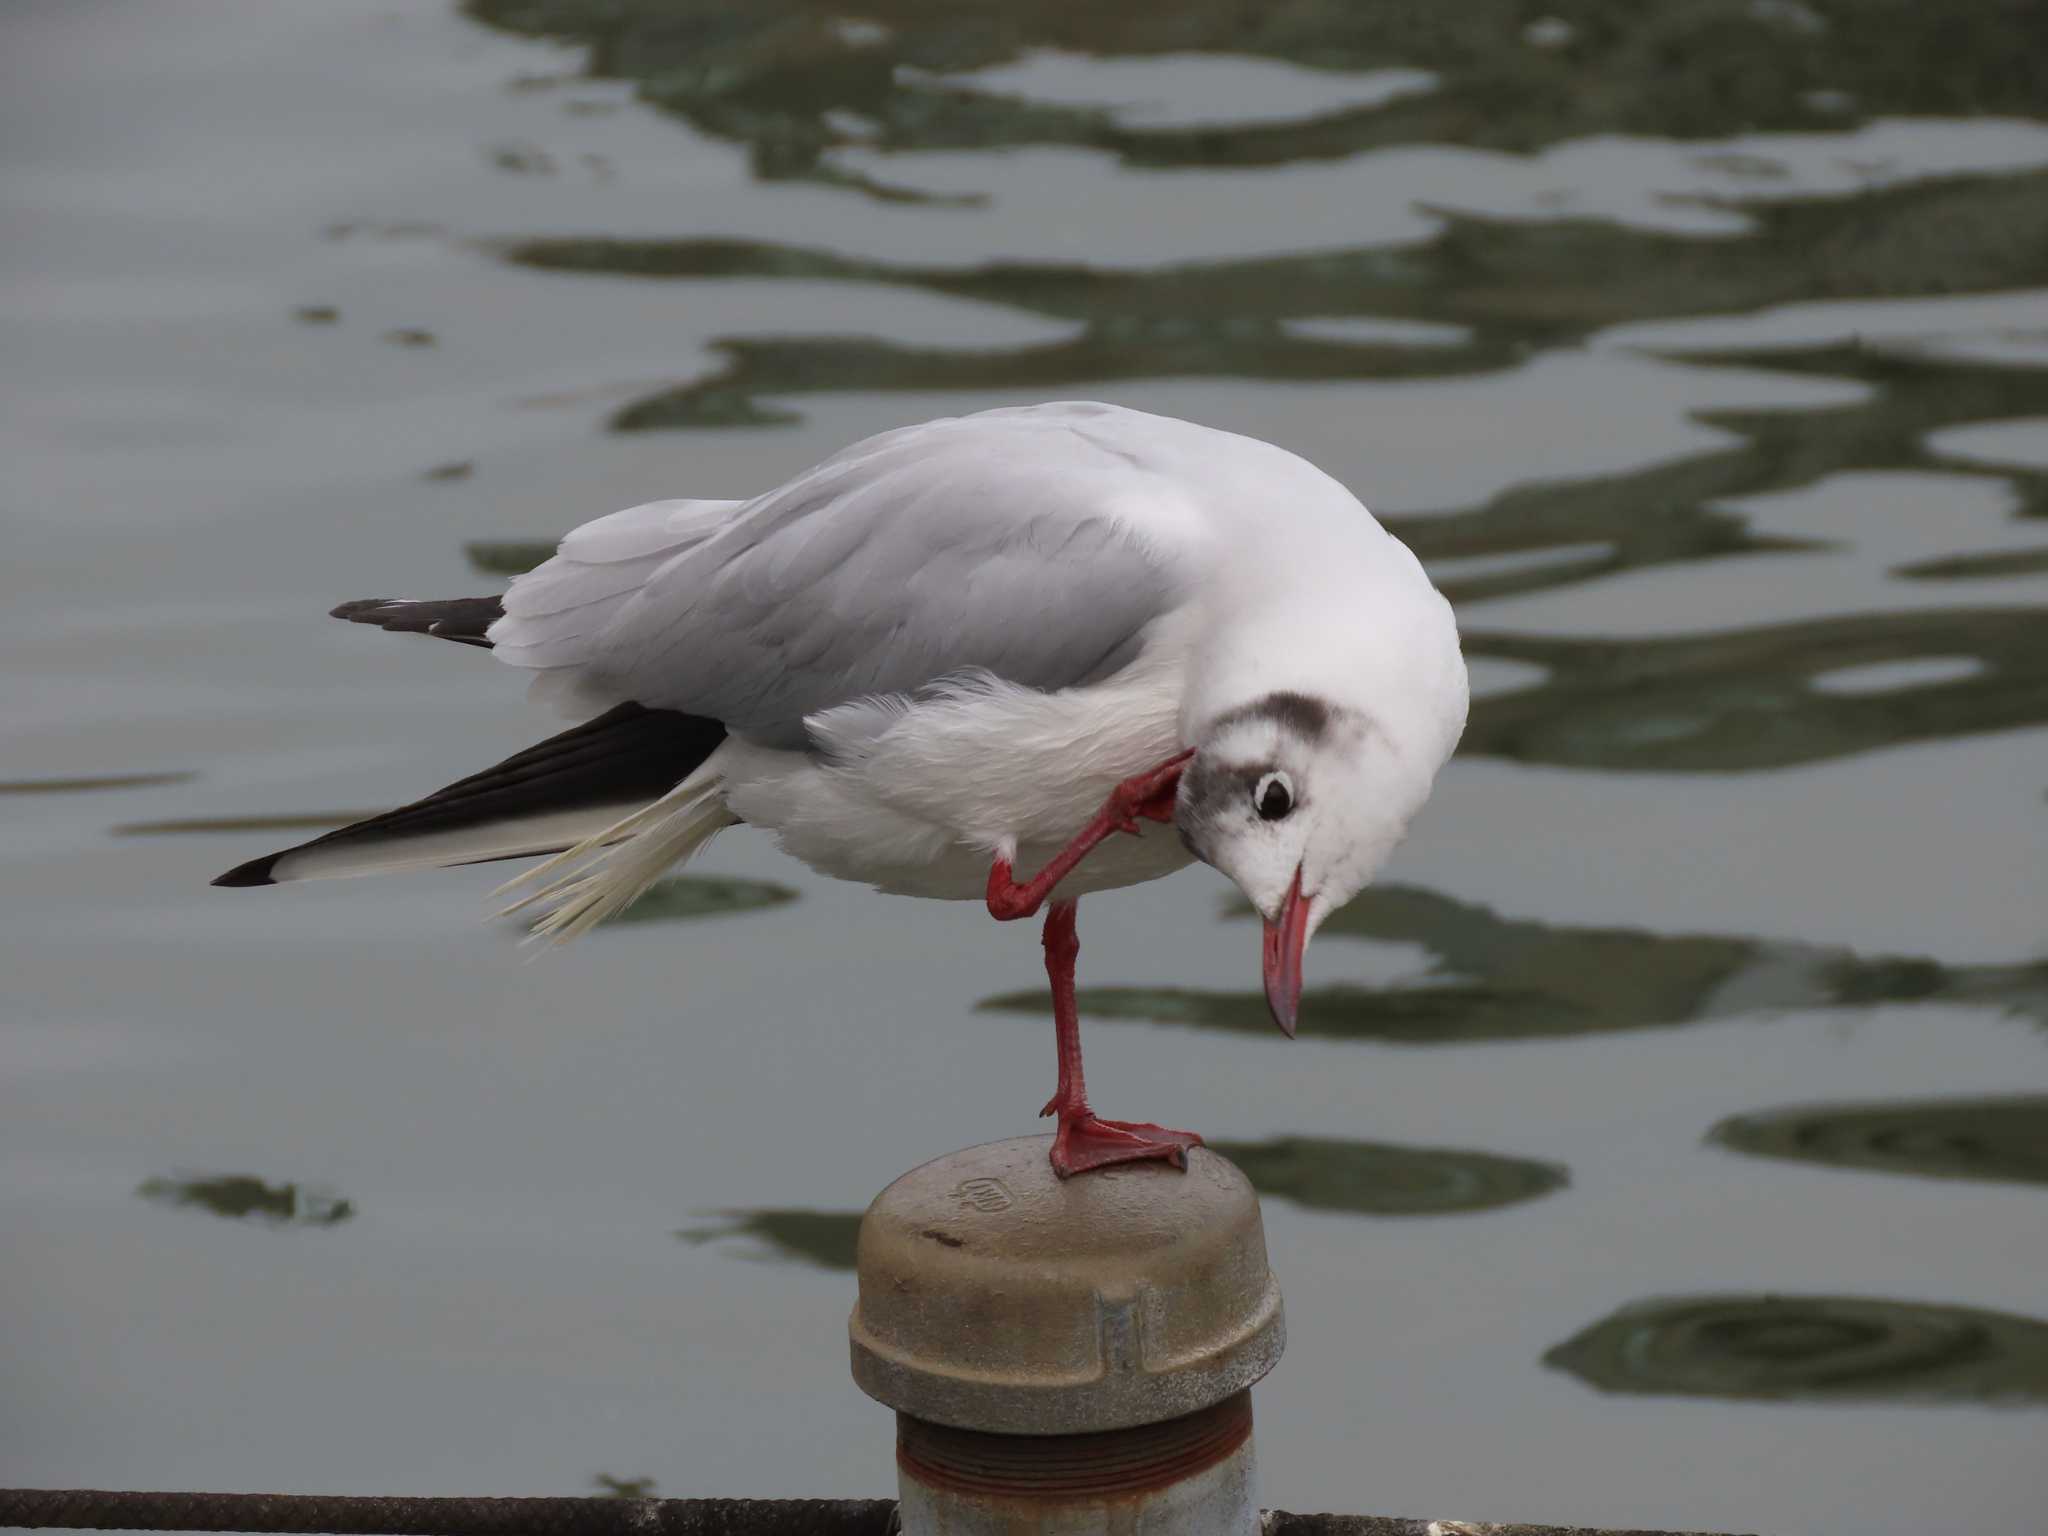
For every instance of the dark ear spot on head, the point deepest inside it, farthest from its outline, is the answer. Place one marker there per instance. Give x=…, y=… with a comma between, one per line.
x=1300, y=714
x=1308, y=718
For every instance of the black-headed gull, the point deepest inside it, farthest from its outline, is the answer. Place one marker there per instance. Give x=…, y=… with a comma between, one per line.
x=956, y=650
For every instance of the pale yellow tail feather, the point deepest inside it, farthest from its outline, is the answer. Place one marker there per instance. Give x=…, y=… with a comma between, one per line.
x=604, y=874
x=616, y=832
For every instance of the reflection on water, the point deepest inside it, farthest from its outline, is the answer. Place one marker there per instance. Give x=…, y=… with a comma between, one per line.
x=244, y=1197
x=2004, y=1138
x=825, y=1239
x=1498, y=978
x=1676, y=510
x=70, y=786
x=688, y=896
x=294, y=821
x=1375, y=1178
x=798, y=82
x=1988, y=566
x=1811, y=1348
x=1747, y=699
x=1510, y=287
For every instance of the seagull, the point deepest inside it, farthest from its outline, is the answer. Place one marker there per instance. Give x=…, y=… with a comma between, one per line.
x=1071, y=639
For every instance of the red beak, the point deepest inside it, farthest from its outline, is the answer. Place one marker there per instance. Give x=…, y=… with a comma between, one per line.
x=1286, y=939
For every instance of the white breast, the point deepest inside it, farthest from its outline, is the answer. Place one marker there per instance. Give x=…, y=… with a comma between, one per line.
x=918, y=797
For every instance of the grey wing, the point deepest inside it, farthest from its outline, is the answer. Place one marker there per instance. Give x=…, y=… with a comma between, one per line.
x=1008, y=545
x=555, y=617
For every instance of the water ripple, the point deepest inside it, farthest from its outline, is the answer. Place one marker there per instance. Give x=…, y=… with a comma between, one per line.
x=1997, y=1138
x=1811, y=1348
x=795, y=83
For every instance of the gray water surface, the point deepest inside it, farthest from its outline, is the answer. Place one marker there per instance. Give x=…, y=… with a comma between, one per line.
x=1713, y=391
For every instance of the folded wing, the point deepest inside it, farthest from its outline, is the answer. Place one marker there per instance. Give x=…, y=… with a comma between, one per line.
x=1004, y=542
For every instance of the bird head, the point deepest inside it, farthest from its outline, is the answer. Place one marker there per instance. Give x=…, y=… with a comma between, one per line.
x=1299, y=796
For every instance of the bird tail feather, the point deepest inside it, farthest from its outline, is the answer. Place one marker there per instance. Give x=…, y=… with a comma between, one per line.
x=610, y=869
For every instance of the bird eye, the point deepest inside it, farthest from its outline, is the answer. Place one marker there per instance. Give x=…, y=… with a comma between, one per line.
x=1273, y=796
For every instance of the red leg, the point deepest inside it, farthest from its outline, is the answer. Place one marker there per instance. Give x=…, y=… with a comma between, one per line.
x=1148, y=794
x=1083, y=1141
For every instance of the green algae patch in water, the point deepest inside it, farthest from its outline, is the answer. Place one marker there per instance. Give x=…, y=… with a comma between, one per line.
x=786, y=1234
x=691, y=896
x=244, y=1197
x=1771, y=1348
x=2000, y=1139
x=504, y=557
x=1374, y=1178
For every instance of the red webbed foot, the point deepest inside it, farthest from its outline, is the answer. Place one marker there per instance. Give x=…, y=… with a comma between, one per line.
x=1085, y=1141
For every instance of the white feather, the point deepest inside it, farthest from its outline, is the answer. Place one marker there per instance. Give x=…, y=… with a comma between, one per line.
x=916, y=796
x=606, y=872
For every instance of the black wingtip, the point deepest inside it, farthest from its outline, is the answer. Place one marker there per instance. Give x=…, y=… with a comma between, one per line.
x=467, y=620
x=255, y=872
x=356, y=611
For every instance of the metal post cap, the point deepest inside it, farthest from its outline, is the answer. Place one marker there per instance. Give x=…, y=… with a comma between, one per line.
x=996, y=1296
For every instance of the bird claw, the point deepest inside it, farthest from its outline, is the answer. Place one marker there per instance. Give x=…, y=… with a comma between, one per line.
x=1150, y=795
x=1085, y=1142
